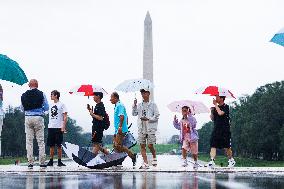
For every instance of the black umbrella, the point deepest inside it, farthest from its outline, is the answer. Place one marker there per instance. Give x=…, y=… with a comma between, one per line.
x=88, y=159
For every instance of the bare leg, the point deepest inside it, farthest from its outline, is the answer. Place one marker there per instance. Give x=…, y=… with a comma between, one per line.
x=195, y=157
x=152, y=150
x=96, y=148
x=229, y=152
x=59, y=152
x=184, y=153
x=213, y=153
x=143, y=152
x=51, y=152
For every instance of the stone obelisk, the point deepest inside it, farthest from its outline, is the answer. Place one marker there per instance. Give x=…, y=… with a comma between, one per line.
x=148, y=52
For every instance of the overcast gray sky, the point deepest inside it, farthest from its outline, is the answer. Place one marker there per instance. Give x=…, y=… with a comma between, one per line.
x=64, y=43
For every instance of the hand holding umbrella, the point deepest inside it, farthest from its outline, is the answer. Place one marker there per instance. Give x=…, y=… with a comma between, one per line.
x=214, y=102
x=175, y=119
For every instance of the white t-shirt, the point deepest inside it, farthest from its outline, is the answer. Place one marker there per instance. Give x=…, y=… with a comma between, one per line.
x=56, y=112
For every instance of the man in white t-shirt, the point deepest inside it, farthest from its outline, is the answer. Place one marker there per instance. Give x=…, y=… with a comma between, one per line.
x=56, y=127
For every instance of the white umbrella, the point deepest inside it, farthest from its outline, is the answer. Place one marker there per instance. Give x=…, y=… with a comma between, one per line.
x=133, y=85
x=196, y=107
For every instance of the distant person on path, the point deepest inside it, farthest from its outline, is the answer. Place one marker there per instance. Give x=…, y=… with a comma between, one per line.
x=34, y=103
x=56, y=127
x=98, y=123
x=147, y=122
x=188, y=135
x=120, y=126
x=221, y=134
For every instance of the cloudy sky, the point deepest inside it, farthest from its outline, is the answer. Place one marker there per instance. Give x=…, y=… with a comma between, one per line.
x=64, y=43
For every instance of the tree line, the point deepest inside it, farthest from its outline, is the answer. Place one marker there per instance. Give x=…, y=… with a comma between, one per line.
x=14, y=137
x=257, y=124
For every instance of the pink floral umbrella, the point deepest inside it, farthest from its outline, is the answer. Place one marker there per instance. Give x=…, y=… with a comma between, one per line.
x=196, y=107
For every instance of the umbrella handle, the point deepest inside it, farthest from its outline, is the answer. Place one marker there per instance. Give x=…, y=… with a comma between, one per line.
x=129, y=125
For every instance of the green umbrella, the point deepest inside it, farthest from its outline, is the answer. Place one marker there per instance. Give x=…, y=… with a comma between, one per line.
x=11, y=71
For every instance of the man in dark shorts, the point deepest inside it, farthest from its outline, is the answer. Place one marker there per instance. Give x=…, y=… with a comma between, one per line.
x=56, y=127
x=221, y=134
x=98, y=124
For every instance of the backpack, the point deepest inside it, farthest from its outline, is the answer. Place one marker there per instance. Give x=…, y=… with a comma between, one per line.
x=106, y=121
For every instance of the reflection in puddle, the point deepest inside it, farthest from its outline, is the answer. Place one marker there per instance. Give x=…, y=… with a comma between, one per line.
x=143, y=180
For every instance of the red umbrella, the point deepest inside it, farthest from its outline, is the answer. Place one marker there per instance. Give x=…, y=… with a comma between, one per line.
x=214, y=90
x=87, y=90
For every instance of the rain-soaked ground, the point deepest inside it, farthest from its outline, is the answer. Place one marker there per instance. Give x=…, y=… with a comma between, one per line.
x=141, y=180
x=168, y=174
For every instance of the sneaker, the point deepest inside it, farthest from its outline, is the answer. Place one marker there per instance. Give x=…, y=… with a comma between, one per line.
x=211, y=163
x=195, y=166
x=231, y=163
x=144, y=166
x=50, y=163
x=184, y=164
x=134, y=159
x=30, y=166
x=42, y=166
x=59, y=164
x=154, y=162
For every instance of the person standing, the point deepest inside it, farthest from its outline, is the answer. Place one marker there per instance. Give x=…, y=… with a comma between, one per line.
x=120, y=126
x=56, y=127
x=188, y=135
x=34, y=103
x=147, y=122
x=221, y=134
x=98, y=123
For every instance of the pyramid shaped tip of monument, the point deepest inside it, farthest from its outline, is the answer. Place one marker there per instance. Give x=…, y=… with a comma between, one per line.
x=148, y=17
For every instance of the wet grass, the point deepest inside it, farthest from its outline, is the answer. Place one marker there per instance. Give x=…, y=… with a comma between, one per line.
x=160, y=148
x=11, y=160
x=242, y=162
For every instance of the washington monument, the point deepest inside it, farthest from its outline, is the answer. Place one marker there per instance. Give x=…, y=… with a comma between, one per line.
x=148, y=52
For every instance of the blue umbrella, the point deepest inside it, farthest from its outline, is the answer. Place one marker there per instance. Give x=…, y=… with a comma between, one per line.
x=11, y=71
x=278, y=38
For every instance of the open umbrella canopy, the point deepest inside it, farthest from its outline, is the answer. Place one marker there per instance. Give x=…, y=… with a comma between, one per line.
x=278, y=38
x=87, y=90
x=133, y=85
x=214, y=90
x=196, y=107
x=88, y=159
x=11, y=71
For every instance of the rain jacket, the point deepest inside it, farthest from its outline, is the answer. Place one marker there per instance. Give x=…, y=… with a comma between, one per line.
x=152, y=114
x=193, y=132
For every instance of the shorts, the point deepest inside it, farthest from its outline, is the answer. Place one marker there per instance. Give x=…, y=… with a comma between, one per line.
x=146, y=138
x=97, y=136
x=54, y=137
x=190, y=146
x=220, y=139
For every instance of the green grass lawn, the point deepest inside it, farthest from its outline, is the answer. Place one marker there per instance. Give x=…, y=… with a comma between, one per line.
x=11, y=160
x=243, y=162
x=160, y=148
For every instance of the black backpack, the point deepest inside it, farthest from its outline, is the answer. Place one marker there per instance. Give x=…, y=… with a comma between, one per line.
x=106, y=121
